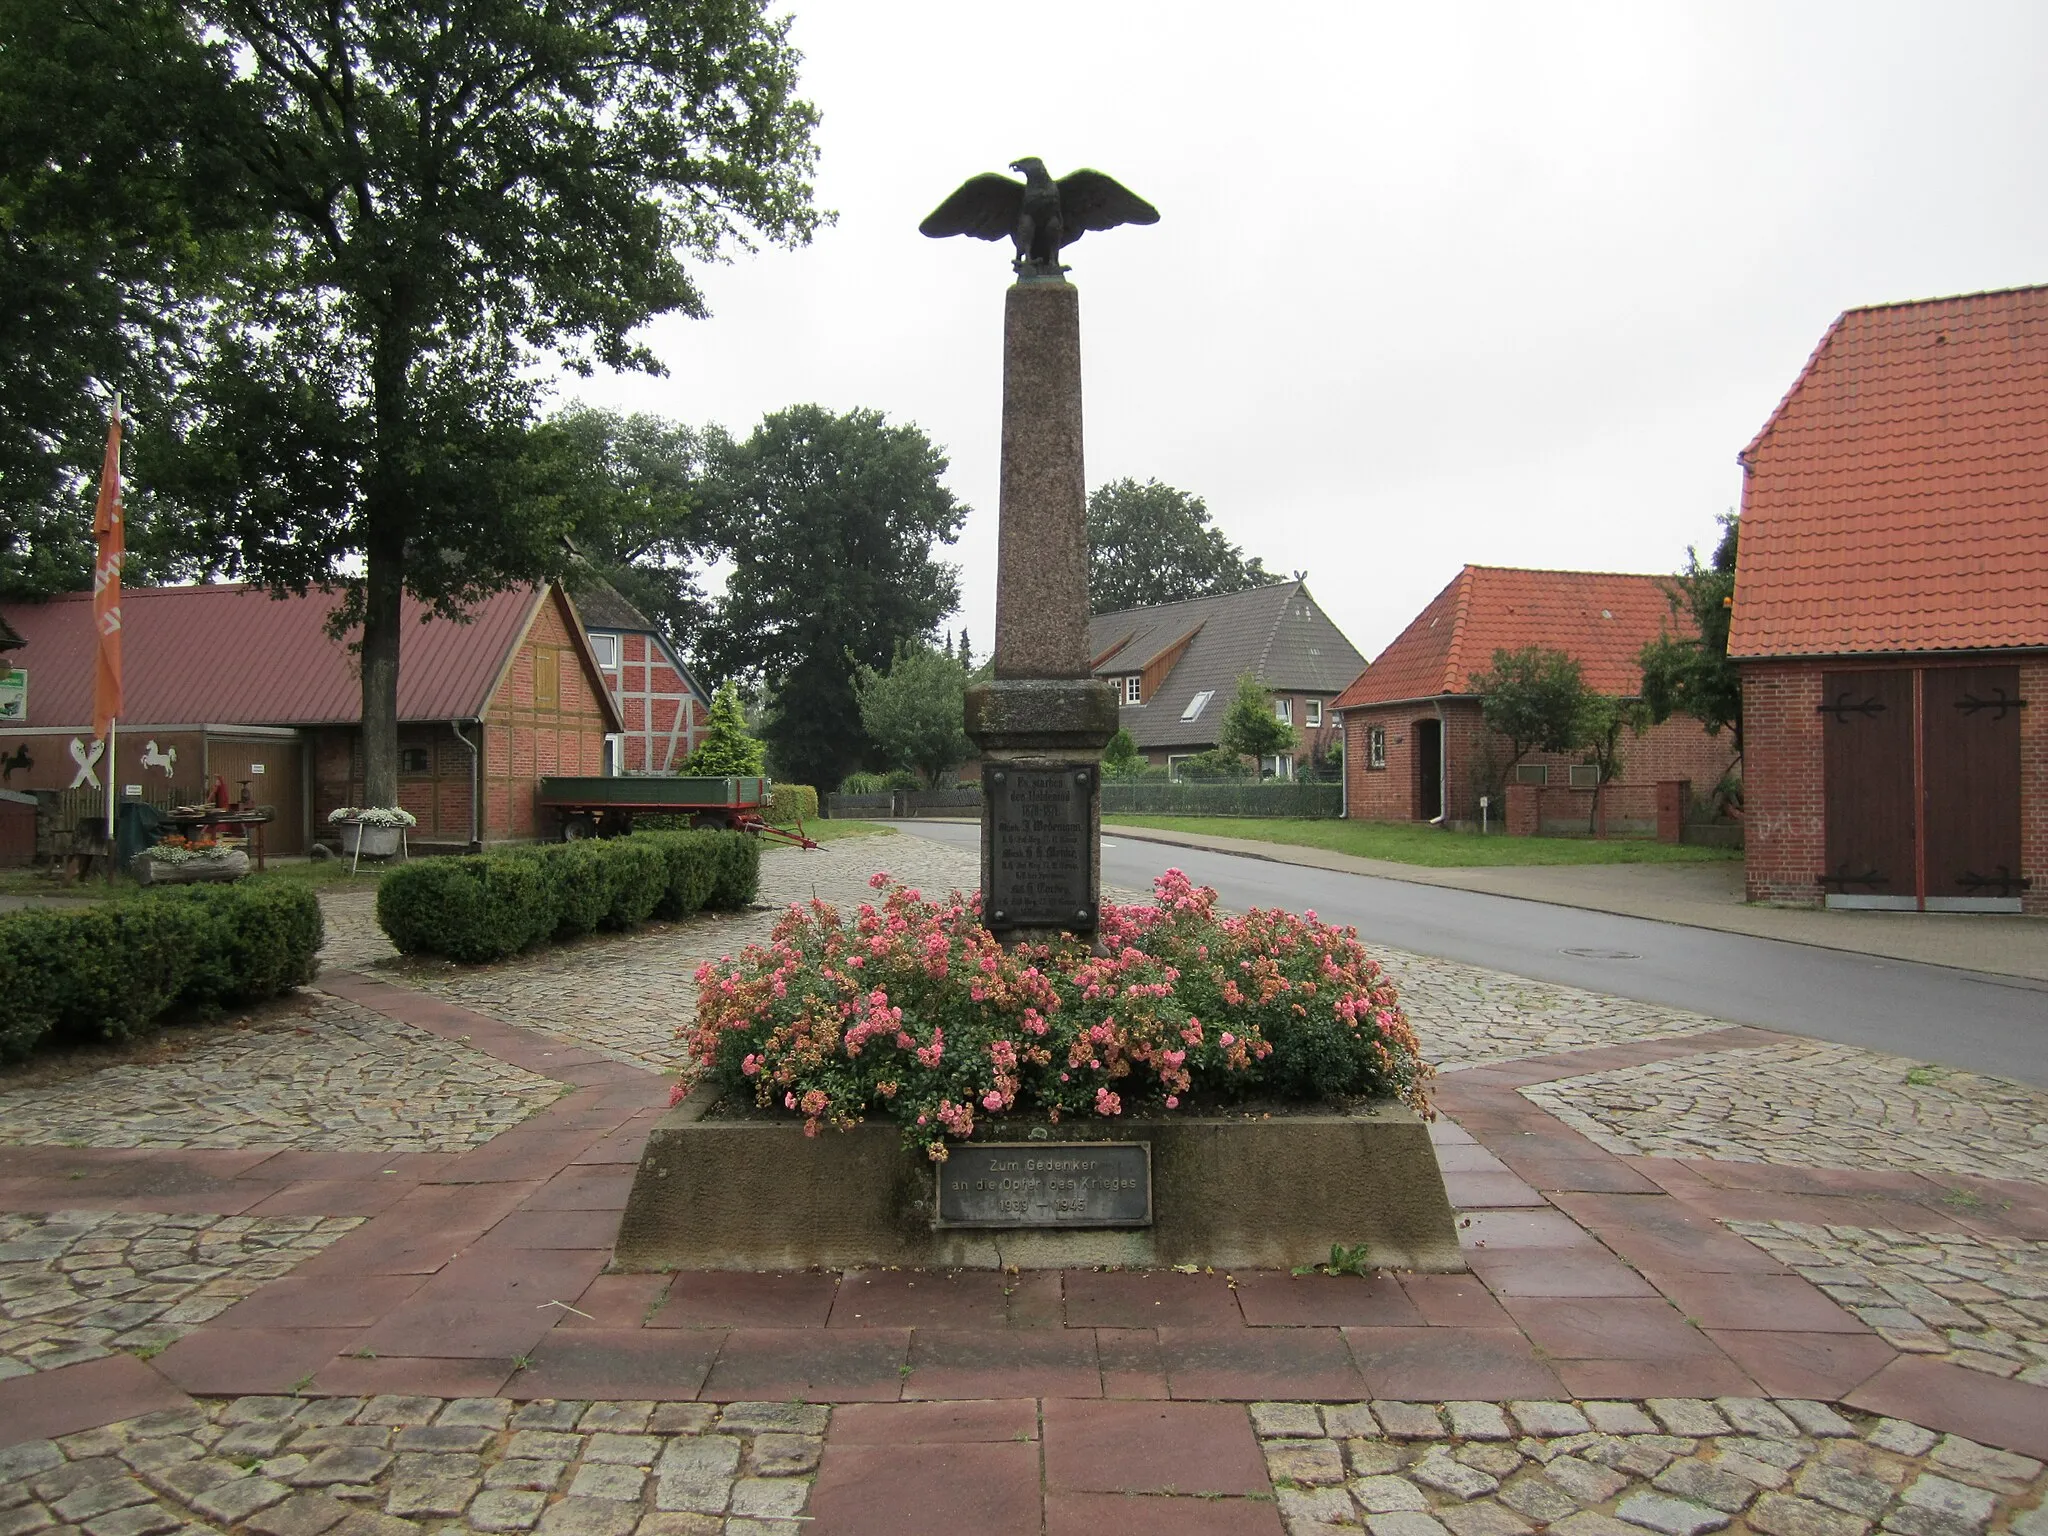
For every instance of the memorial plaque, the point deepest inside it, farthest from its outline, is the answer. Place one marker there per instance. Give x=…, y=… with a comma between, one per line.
x=1046, y=1184
x=1042, y=847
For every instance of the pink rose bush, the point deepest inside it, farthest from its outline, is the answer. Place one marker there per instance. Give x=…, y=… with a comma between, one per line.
x=912, y=1009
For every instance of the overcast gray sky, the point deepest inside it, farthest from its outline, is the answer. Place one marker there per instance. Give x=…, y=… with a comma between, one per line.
x=1508, y=284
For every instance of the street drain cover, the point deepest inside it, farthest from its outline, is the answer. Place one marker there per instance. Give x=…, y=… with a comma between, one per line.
x=1603, y=954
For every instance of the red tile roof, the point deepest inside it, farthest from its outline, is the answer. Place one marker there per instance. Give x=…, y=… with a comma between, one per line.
x=1602, y=619
x=1897, y=499
x=232, y=655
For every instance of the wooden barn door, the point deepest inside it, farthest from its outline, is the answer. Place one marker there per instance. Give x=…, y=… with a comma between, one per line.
x=1970, y=756
x=1867, y=757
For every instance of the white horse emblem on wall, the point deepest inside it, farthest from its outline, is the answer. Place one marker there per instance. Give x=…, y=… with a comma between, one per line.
x=166, y=759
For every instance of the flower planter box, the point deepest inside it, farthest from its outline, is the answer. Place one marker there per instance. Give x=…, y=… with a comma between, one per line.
x=148, y=871
x=377, y=842
x=747, y=1193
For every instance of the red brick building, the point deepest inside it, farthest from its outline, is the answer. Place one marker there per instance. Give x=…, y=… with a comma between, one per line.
x=1891, y=614
x=225, y=681
x=663, y=709
x=1416, y=747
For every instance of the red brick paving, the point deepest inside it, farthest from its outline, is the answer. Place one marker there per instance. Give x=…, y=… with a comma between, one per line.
x=1183, y=1448
x=83, y=1396
x=987, y=1421
x=1443, y=1364
x=1093, y=1514
x=927, y=1490
x=1964, y=1402
x=1824, y=1366
x=481, y=1272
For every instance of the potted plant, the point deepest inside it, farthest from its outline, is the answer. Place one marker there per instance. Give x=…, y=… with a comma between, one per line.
x=177, y=861
x=373, y=831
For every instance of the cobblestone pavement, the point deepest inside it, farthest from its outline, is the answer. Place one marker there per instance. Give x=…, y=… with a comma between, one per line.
x=1668, y=1466
x=389, y=1466
x=1972, y=1301
x=75, y=1285
x=321, y=1073
x=1468, y=1016
x=1812, y=1105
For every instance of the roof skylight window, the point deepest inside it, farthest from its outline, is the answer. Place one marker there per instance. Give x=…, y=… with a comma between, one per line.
x=1197, y=704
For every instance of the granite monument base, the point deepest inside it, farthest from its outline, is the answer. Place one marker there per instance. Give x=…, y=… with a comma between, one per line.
x=755, y=1193
x=1041, y=742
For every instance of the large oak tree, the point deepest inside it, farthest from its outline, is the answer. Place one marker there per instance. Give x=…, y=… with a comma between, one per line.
x=446, y=200
x=830, y=521
x=1150, y=544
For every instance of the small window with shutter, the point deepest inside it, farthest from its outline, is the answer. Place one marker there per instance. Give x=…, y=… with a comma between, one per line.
x=547, y=679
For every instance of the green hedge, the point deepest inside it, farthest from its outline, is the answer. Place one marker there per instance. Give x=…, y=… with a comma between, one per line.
x=788, y=803
x=487, y=906
x=111, y=972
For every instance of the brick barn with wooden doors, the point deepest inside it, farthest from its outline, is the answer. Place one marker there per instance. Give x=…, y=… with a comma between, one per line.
x=1891, y=614
x=1417, y=746
x=224, y=680
x=663, y=709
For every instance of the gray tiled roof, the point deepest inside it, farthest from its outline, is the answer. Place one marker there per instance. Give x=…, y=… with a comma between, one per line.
x=599, y=605
x=1279, y=634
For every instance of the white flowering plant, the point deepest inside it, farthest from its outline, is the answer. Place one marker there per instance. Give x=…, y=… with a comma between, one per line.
x=375, y=815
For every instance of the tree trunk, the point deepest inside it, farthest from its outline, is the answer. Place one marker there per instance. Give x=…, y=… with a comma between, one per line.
x=383, y=583
x=386, y=515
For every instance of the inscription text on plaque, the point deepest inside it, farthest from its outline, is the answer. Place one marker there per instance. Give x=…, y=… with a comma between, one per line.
x=1042, y=846
x=1046, y=1184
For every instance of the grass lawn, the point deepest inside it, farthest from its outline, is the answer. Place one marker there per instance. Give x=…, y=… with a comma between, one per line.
x=1416, y=843
x=823, y=831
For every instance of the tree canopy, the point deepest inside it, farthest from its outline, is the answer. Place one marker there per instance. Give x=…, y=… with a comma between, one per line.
x=1150, y=544
x=435, y=200
x=830, y=522
x=1251, y=729
x=628, y=488
x=1692, y=674
x=915, y=713
x=1536, y=698
x=116, y=212
x=728, y=749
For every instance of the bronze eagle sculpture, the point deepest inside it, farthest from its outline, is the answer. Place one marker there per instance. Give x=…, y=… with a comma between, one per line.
x=1039, y=215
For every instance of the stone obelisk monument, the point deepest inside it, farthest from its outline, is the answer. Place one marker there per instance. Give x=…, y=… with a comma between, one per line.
x=1042, y=722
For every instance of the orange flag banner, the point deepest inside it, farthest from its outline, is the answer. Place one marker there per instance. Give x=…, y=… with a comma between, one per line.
x=106, y=584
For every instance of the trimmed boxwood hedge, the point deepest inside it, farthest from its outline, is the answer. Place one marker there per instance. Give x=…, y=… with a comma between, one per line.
x=486, y=906
x=111, y=972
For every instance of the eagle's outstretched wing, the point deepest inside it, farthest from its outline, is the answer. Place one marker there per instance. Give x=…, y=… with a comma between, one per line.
x=985, y=207
x=1091, y=200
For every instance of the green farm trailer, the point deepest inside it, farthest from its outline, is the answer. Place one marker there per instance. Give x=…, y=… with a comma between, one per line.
x=605, y=807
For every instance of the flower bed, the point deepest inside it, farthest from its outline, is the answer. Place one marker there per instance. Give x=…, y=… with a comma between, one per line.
x=913, y=1011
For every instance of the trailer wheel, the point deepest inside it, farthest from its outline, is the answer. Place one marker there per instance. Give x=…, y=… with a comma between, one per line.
x=576, y=828
x=712, y=821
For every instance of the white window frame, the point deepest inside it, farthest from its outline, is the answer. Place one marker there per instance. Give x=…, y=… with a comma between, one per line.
x=1283, y=711
x=1312, y=713
x=1173, y=762
x=1282, y=768
x=614, y=754
x=1134, y=688
x=1375, y=746
x=606, y=649
x=1196, y=705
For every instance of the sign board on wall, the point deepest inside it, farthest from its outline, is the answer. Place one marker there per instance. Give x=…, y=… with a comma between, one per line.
x=14, y=697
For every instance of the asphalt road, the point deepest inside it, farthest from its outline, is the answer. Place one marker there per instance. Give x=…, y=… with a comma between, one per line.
x=1996, y=1024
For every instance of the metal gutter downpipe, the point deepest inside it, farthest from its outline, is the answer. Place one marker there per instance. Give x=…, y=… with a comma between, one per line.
x=1443, y=766
x=476, y=791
